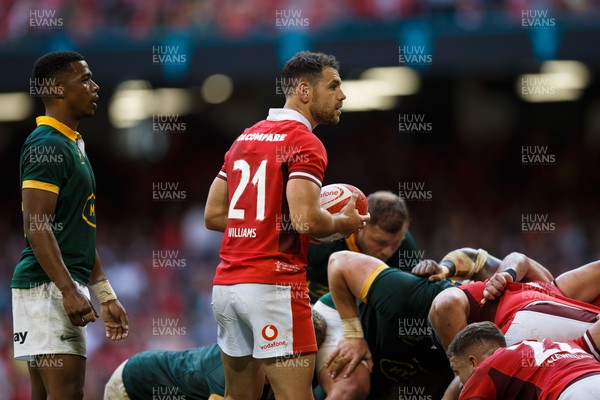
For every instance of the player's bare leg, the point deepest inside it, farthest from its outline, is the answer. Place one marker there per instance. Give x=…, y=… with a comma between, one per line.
x=63, y=375
x=38, y=391
x=244, y=377
x=355, y=387
x=291, y=377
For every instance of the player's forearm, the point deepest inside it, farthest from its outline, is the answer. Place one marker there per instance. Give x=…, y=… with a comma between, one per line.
x=46, y=250
x=97, y=271
x=525, y=268
x=216, y=223
x=343, y=298
x=489, y=268
x=316, y=223
x=470, y=263
x=99, y=283
x=453, y=390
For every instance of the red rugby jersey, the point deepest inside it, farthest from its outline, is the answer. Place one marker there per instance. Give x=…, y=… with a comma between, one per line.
x=518, y=296
x=531, y=370
x=260, y=244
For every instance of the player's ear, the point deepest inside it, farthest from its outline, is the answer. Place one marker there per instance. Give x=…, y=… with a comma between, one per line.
x=473, y=361
x=60, y=91
x=303, y=91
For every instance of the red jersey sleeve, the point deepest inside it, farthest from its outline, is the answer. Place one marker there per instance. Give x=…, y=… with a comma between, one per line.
x=307, y=158
x=478, y=387
x=223, y=172
x=587, y=343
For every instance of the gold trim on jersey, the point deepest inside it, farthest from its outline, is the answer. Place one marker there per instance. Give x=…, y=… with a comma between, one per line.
x=32, y=184
x=59, y=126
x=351, y=243
x=367, y=285
x=215, y=397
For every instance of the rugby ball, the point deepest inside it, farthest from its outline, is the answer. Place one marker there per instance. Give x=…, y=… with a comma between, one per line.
x=334, y=197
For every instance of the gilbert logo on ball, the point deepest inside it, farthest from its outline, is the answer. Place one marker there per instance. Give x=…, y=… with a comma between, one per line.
x=334, y=198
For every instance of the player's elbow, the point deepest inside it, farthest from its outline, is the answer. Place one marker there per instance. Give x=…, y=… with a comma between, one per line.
x=338, y=261
x=215, y=222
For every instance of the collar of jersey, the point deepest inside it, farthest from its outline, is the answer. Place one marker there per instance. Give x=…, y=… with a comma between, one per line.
x=282, y=114
x=59, y=126
x=351, y=243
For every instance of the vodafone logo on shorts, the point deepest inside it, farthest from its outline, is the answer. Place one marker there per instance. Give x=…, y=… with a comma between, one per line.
x=269, y=332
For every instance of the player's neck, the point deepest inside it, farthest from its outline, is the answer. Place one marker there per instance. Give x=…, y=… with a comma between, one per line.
x=63, y=117
x=302, y=109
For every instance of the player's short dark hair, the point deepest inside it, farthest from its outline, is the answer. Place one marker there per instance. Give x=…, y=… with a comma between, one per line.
x=306, y=65
x=476, y=334
x=388, y=211
x=54, y=65
x=320, y=327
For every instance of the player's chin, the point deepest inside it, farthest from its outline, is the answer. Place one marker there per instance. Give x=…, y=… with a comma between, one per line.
x=333, y=120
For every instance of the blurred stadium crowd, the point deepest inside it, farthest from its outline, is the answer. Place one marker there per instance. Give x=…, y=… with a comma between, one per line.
x=238, y=18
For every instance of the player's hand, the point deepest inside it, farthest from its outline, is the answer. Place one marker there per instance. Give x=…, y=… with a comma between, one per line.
x=348, y=354
x=115, y=320
x=429, y=268
x=352, y=220
x=78, y=307
x=495, y=286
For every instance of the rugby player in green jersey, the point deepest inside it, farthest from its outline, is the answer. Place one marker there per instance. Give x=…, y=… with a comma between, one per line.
x=397, y=340
x=187, y=374
x=50, y=295
x=385, y=236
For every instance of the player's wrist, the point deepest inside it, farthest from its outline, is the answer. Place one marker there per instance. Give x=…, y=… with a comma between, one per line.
x=512, y=273
x=66, y=288
x=103, y=291
x=352, y=329
x=448, y=268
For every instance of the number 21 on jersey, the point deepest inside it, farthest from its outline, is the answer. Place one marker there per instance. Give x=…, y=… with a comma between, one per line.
x=258, y=180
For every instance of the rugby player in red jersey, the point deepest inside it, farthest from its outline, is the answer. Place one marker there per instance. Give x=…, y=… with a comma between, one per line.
x=266, y=201
x=530, y=369
x=532, y=310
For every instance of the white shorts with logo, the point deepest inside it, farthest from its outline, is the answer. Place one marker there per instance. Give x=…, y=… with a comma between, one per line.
x=262, y=320
x=115, y=389
x=41, y=325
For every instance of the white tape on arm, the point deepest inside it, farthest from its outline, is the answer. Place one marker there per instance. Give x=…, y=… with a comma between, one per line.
x=103, y=291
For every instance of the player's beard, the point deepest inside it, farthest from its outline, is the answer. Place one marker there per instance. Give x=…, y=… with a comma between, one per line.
x=322, y=115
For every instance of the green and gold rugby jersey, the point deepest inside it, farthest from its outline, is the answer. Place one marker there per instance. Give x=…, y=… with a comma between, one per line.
x=406, y=257
x=53, y=159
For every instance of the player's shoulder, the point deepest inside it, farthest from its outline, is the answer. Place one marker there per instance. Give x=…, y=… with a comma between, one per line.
x=45, y=135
